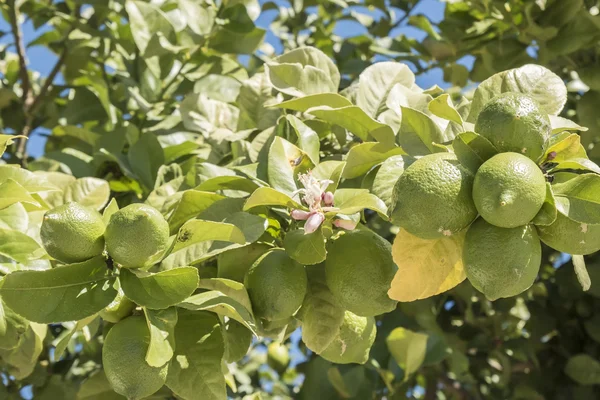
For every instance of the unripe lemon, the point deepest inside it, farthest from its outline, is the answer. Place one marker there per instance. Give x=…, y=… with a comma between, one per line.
x=501, y=262
x=353, y=342
x=509, y=190
x=234, y=264
x=514, y=122
x=124, y=360
x=276, y=285
x=137, y=236
x=359, y=270
x=278, y=357
x=570, y=236
x=73, y=233
x=433, y=197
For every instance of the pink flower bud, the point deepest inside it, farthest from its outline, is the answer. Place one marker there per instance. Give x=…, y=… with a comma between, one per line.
x=327, y=198
x=346, y=224
x=313, y=222
x=300, y=215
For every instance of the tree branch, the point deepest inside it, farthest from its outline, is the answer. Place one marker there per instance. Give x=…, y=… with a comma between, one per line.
x=21, y=53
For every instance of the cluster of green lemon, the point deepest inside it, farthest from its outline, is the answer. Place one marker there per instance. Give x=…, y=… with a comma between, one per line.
x=436, y=196
x=135, y=236
x=278, y=287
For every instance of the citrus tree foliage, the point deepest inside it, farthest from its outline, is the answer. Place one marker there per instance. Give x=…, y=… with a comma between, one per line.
x=262, y=165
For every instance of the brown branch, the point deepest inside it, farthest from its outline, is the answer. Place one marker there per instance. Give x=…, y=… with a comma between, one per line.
x=31, y=103
x=21, y=53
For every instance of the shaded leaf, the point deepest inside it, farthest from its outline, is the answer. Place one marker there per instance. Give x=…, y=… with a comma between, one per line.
x=159, y=290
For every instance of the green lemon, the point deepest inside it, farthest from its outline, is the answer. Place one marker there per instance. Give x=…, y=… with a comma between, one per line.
x=124, y=360
x=359, y=270
x=514, y=122
x=353, y=342
x=276, y=285
x=278, y=357
x=570, y=236
x=509, y=190
x=137, y=236
x=501, y=262
x=234, y=264
x=433, y=197
x=118, y=309
x=72, y=233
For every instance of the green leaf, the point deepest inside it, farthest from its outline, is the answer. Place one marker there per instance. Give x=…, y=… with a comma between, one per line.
x=19, y=246
x=204, y=115
x=583, y=369
x=536, y=81
x=252, y=227
x=254, y=95
x=11, y=192
x=15, y=218
x=110, y=209
x=218, y=87
x=356, y=121
x=361, y=158
x=196, y=230
x=285, y=162
x=161, y=324
x=408, y=349
x=321, y=314
x=22, y=360
x=442, y=107
x=351, y=201
x=237, y=183
x=304, y=103
x=89, y=192
x=159, y=290
x=33, y=183
x=581, y=272
x=472, y=150
x=238, y=340
x=97, y=387
x=66, y=337
x=76, y=132
x=330, y=170
x=376, y=82
x=308, y=140
x=547, y=214
x=566, y=149
x=7, y=140
x=192, y=203
x=145, y=157
x=195, y=371
x=303, y=71
x=146, y=21
x=422, y=22
x=307, y=249
x=387, y=176
x=229, y=41
x=560, y=124
x=221, y=304
x=579, y=198
x=235, y=290
x=418, y=132
x=68, y=293
x=270, y=197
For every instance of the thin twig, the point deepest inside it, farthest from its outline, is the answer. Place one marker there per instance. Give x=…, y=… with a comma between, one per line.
x=21, y=53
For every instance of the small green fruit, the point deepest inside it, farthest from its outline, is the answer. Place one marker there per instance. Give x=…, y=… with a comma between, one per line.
x=137, y=236
x=72, y=233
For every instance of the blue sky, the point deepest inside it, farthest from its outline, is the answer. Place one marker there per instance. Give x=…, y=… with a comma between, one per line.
x=42, y=60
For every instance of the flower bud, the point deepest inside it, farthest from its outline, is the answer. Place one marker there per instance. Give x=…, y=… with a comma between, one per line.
x=313, y=222
x=300, y=215
x=346, y=224
x=327, y=198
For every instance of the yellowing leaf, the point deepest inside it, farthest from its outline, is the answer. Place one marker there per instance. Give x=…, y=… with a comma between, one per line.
x=426, y=267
